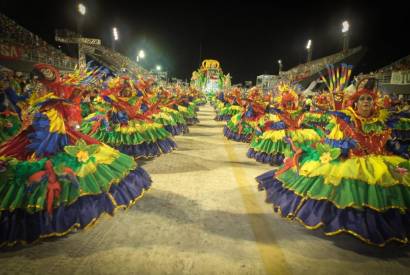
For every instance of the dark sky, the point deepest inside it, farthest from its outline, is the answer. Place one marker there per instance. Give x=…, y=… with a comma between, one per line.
x=246, y=37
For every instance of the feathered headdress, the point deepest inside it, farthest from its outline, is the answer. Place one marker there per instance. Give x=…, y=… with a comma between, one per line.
x=336, y=82
x=87, y=76
x=287, y=94
x=253, y=93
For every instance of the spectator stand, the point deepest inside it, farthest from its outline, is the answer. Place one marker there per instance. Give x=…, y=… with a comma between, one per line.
x=19, y=45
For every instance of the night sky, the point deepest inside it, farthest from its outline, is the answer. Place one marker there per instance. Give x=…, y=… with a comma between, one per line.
x=247, y=38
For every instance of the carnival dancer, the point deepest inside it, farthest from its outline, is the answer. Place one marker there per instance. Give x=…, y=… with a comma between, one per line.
x=125, y=126
x=363, y=191
x=172, y=119
x=242, y=126
x=185, y=105
x=199, y=99
x=55, y=180
x=229, y=104
x=270, y=143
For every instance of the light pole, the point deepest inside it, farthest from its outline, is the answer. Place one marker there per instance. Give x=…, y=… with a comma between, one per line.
x=345, y=31
x=158, y=73
x=141, y=55
x=280, y=66
x=309, y=50
x=115, y=37
x=82, y=10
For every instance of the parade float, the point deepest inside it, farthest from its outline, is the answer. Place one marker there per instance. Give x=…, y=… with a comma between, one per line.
x=209, y=78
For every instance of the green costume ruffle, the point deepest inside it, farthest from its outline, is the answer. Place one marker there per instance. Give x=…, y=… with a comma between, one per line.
x=133, y=137
x=101, y=167
x=349, y=193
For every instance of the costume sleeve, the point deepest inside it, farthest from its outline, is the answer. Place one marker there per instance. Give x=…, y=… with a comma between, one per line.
x=49, y=135
x=335, y=136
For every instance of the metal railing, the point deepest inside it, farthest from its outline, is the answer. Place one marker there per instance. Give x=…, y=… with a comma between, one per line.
x=384, y=77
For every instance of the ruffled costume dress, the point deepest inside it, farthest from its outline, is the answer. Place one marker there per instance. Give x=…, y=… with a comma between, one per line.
x=242, y=126
x=227, y=107
x=353, y=183
x=272, y=143
x=200, y=101
x=188, y=110
x=125, y=128
x=211, y=98
x=55, y=180
x=173, y=120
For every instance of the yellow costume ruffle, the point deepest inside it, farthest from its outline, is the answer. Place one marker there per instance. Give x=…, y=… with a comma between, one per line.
x=274, y=135
x=299, y=135
x=162, y=115
x=381, y=116
x=182, y=109
x=104, y=155
x=136, y=127
x=272, y=117
x=168, y=110
x=236, y=119
x=372, y=169
x=236, y=107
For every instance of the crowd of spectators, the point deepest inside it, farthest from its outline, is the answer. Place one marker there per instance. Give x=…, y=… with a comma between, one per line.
x=23, y=84
x=33, y=47
x=402, y=65
x=36, y=50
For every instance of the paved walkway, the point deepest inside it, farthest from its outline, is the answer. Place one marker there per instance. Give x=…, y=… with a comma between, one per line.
x=203, y=215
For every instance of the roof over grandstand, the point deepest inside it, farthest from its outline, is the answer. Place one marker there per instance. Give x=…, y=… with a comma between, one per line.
x=247, y=38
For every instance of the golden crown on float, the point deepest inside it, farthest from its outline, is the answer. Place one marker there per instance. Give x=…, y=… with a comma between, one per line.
x=210, y=64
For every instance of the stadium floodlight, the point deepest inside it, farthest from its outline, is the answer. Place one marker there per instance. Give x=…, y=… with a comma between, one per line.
x=115, y=33
x=345, y=26
x=82, y=9
x=309, y=44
